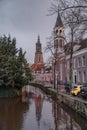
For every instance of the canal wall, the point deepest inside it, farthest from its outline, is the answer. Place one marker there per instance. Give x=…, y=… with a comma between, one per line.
x=77, y=104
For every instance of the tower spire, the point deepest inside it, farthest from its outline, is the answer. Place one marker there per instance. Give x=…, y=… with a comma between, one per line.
x=59, y=21
x=59, y=34
x=38, y=41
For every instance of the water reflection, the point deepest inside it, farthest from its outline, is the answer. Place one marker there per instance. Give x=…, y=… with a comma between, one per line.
x=38, y=112
x=65, y=119
x=38, y=106
x=11, y=113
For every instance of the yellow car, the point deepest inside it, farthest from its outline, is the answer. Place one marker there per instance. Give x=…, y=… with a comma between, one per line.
x=75, y=91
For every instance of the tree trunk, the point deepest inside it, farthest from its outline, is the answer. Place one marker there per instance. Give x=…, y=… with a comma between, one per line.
x=71, y=60
x=54, y=76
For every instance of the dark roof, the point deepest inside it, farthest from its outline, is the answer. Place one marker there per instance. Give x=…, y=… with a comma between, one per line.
x=59, y=21
x=83, y=44
x=79, y=46
x=37, y=67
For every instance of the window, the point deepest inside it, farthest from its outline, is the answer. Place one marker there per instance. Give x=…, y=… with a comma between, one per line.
x=56, y=44
x=79, y=61
x=84, y=76
x=67, y=64
x=79, y=76
x=83, y=61
x=56, y=31
x=60, y=43
x=60, y=31
x=74, y=63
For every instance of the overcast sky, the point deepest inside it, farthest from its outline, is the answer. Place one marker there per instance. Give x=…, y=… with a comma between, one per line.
x=25, y=20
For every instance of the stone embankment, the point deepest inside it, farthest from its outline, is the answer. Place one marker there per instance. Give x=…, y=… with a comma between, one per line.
x=77, y=104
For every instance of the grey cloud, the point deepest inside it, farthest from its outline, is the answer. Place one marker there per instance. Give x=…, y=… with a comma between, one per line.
x=25, y=19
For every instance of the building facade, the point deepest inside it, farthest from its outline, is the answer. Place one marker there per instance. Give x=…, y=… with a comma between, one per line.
x=79, y=63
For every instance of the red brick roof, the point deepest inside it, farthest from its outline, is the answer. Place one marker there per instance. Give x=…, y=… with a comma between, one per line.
x=37, y=67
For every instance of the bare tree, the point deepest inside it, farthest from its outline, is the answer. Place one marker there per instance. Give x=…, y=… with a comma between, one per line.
x=74, y=16
x=54, y=56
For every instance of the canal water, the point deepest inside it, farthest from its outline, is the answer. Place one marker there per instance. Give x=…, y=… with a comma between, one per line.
x=38, y=112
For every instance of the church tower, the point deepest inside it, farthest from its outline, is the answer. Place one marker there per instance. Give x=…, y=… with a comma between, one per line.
x=38, y=53
x=59, y=38
x=59, y=35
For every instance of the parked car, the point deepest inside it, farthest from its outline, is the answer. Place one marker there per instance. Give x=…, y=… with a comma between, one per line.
x=75, y=91
x=74, y=86
x=83, y=92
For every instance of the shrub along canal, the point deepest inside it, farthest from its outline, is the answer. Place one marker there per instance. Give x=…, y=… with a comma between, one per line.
x=37, y=111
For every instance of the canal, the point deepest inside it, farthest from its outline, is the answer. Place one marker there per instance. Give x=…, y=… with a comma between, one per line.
x=38, y=111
